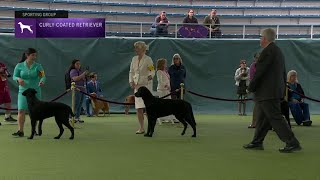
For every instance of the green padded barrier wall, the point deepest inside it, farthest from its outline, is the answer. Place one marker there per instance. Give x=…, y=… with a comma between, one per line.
x=210, y=65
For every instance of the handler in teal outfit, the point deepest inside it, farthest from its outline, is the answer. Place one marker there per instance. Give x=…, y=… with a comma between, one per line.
x=28, y=74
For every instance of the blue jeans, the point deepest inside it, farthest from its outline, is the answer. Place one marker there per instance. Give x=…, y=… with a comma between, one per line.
x=78, y=104
x=88, y=102
x=299, y=111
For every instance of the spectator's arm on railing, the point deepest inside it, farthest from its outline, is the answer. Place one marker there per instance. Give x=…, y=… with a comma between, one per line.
x=217, y=24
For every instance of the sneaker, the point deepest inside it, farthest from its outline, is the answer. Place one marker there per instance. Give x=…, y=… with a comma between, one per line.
x=75, y=121
x=18, y=133
x=251, y=126
x=78, y=121
x=0, y=124
x=176, y=121
x=10, y=119
x=307, y=123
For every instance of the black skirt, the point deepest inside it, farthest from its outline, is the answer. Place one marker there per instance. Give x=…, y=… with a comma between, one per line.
x=242, y=88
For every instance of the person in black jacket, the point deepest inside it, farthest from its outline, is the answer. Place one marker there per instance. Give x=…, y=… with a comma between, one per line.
x=299, y=109
x=161, y=24
x=177, y=74
x=268, y=86
x=190, y=18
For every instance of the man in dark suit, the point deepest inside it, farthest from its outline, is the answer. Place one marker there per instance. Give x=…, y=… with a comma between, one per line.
x=268, y=86
x=93, y=86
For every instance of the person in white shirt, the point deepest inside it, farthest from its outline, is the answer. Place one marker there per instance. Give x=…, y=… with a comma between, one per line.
x=141, y=74
x=241, y=77
x=163, y=87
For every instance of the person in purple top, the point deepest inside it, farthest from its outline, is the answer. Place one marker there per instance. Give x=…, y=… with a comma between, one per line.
x=252, y=70
x=78, y=76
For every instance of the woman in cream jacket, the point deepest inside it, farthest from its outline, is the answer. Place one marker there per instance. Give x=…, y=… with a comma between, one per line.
x=141, y=74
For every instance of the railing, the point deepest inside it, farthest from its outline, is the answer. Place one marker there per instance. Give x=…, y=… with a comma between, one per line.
x=234, y=31
x=238, y=31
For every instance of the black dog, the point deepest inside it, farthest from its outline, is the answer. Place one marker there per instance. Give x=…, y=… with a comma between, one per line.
x=157, y=107
x=39, y=110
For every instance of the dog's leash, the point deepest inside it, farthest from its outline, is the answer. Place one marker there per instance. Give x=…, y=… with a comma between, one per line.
x=60, y=96
x=56, y=98
x=121, y=103
x=303, y=96
x=104, y=100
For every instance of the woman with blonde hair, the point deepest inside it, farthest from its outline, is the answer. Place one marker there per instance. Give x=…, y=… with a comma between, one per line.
x=177, y=74
x=163, y=87
x=141, y=74
x=299, y=109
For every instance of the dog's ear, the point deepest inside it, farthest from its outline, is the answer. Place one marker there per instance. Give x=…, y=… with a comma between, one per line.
x=24, y=93
x=34, y=91
x=138, y=93
x=145, y=91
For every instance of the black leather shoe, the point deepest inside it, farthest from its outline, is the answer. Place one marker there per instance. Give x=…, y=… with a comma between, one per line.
x=253, y=146
x=306, y=123
x=10, y=119
x=289, y=149
x=18, y=133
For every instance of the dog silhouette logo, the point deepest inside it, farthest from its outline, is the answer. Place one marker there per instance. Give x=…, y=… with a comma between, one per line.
x=23, y=26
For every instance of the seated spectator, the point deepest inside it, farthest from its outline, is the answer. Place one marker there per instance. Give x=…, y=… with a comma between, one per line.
x=299, y=109
x=190, y=18
x=212, y=22
x=160, y=26
x=93, y=86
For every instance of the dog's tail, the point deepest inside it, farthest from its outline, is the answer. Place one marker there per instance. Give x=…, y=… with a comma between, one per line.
x=192, y=116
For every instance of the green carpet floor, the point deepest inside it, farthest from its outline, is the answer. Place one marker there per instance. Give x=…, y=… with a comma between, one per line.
x=107, y=148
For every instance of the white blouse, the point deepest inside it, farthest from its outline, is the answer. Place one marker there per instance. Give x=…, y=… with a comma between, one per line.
x=238, y=77
x=163, y=80
x=139, y=71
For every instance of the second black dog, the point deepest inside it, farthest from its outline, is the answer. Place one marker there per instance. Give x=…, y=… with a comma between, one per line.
x=39, y=110
x=157, y=107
